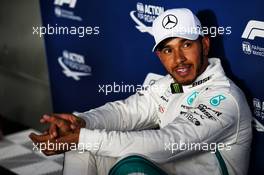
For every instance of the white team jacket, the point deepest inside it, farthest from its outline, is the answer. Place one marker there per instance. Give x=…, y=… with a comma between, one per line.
x=211, y=110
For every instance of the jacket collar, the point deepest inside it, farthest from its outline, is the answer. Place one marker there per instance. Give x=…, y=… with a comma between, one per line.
x=214, y=73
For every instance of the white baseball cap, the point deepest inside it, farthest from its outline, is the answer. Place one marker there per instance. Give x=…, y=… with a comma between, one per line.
x=180, y=22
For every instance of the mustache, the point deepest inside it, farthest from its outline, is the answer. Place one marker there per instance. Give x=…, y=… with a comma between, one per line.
x=182, y=65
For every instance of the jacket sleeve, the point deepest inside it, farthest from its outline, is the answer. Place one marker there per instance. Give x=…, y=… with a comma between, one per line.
x=209, y=121
x=136, y=112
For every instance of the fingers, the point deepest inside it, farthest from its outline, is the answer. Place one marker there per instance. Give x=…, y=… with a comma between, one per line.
x=39, y=138
x=46, y=144
x=49, y=153
x=50, y=118
x=47, y=118
x=73, y=126
x=44, y=118
x=70, y=138
x=53, y=130
x=69, y=117
x=62, y=124
x=75, y=121
x=57, y=125
x=72, y=119
x=59, y=119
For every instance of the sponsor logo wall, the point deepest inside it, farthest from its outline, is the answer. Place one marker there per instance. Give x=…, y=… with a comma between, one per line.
x=99, y=42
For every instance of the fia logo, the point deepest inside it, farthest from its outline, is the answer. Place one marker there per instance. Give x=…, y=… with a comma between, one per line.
x=215, y=101
x=71, y=3
x=246, y=46
x=140, y=7
x=257, y=104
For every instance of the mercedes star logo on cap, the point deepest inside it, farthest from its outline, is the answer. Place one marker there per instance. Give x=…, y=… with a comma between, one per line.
x=169, y=21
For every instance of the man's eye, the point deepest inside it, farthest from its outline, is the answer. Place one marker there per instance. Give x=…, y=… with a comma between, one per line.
x=187, y=44
x=166, y=50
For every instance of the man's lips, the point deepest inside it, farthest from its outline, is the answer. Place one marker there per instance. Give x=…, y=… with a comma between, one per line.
x=183, y=70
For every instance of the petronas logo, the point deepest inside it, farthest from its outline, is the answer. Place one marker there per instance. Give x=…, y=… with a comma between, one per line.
x=191, y=98
x=215, y=101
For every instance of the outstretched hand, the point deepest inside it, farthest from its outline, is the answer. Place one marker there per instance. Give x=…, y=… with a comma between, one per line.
x=62, y=124
x=62, y=134
x=50, y=146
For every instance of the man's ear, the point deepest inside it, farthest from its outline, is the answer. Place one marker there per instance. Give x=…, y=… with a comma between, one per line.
x=206, y=45
x=158, y=53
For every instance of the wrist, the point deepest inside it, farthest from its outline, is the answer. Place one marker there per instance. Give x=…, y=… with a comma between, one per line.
x=81, y=122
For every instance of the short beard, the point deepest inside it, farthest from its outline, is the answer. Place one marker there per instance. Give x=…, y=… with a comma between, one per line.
x=201, y=66
x=200, y=69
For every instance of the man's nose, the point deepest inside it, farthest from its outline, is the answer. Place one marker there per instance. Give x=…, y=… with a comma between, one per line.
x=179, y=56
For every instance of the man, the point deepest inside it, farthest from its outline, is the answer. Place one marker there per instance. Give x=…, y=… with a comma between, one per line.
x=197, y=122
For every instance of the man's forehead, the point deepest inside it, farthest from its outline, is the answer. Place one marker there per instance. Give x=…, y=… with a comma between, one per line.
x=174, y=41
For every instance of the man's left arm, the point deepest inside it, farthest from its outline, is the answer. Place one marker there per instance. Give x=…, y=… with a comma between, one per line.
x=137, y=112
x=213, y=119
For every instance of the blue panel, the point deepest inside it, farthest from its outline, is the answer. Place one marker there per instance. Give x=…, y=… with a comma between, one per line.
x=116, y=52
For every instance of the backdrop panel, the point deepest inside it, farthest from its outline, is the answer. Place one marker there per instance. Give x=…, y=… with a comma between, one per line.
x=96, y=48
